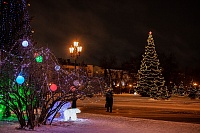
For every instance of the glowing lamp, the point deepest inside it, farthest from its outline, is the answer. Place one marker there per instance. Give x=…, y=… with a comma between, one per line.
x=53, y=87
x=25, y=43
x=75, y=44
x=57, y=68
x=39, y=59
x=20, y=80
x=71, y=50
x=195, y=84
x=76, y=82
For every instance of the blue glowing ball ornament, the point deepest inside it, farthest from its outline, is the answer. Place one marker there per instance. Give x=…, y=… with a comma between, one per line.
x=20, y=80
x=25, y=43
x=57, y=68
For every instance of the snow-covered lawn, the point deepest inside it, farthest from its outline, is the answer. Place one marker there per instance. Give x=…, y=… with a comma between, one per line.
x=127, y=117
x=94, y=123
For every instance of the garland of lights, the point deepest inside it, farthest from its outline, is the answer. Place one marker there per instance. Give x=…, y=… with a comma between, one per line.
x=151, y=81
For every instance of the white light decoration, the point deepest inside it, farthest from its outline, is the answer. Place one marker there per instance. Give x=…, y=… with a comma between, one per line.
x=66, y=113
x=61, y=111
x=57, y=67
x=76, y=82
x=20, y=79
x=70, y=114
x=25, y=43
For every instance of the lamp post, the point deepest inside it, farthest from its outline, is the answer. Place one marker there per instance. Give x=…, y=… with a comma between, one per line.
x=75, y=51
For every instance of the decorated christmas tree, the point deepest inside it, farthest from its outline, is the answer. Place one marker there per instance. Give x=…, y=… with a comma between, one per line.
x=150, y=79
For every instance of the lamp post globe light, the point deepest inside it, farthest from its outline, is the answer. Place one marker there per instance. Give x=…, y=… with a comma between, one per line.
x=75, y=51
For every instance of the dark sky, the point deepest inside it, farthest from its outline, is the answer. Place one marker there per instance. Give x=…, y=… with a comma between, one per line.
x=118, y=27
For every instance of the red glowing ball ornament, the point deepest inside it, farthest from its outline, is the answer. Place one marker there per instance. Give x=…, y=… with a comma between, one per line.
x=53, y=87
x=35, y=55
x=5, y=2
x=72, y=88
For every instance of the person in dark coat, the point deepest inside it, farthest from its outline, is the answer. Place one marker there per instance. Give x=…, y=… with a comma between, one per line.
x=74, y=99
x=74, y=103
x=109, y=101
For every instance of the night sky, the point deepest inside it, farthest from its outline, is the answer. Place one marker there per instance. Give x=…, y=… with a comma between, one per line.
x=118, y=27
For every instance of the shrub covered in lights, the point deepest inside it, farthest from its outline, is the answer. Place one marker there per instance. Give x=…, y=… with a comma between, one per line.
x=27, y=72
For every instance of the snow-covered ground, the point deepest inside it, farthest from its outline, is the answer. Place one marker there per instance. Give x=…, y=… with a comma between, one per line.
x=94, y=123
x=128, y=117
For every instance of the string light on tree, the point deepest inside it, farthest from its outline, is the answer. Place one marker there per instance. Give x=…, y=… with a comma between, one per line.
x=151, y=82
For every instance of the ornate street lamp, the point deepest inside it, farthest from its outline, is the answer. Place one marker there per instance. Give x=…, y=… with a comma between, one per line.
x=75, y=51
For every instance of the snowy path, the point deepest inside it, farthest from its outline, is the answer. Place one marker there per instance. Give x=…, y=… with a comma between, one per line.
x=94, y=123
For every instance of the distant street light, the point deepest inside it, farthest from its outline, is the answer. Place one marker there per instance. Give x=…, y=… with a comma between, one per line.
x=75, y=51
x=195, y=84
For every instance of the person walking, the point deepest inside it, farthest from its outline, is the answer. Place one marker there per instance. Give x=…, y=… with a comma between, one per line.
x=109, y=100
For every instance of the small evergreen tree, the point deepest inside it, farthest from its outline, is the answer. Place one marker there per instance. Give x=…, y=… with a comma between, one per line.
x=150, y=79
x=175, y=89
x=181, y=89
x=193, y=91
